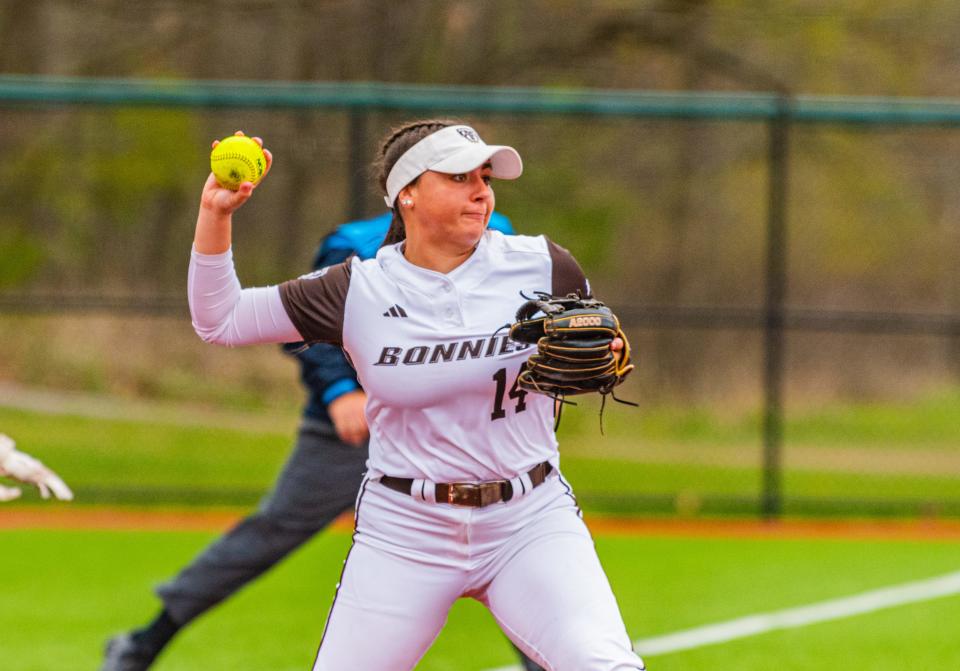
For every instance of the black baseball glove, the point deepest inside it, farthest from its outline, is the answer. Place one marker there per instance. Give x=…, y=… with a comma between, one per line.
x=573, y=337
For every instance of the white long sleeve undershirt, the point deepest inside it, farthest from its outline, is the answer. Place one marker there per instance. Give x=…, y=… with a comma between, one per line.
x=224, y=313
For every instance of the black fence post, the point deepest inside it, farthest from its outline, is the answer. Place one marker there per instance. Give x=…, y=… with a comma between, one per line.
x=776, y=280
x=357, y=164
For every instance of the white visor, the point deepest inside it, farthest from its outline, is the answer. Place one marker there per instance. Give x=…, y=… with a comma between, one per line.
x=453, y=150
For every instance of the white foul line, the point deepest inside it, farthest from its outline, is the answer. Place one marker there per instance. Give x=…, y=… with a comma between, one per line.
x=751, y=625
x=867, y=602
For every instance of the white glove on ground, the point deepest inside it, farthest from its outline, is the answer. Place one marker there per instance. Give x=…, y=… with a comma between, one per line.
x=25, y=468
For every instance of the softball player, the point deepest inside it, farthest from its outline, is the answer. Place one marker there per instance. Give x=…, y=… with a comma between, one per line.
x=319, y=480
x=20, y=466
x=463, y=495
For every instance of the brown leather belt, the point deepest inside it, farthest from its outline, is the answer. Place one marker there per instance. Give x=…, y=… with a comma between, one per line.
x=471, y=494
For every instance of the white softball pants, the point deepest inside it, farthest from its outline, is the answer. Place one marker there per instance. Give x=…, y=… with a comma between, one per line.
x=531, y=561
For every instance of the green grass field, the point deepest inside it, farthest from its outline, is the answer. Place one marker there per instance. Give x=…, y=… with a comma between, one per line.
x=870, y=459
x=65, y=591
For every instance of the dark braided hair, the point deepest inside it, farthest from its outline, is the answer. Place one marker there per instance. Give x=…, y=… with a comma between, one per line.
x=393, y=146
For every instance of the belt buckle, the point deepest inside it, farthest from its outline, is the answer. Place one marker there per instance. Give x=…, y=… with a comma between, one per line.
x=462, y=493
x=491, y=492
x=458, y=493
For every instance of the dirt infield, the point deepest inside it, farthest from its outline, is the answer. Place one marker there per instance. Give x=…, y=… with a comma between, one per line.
x=124, y=519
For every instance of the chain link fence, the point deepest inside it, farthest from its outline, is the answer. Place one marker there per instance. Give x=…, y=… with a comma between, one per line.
x=787, y=266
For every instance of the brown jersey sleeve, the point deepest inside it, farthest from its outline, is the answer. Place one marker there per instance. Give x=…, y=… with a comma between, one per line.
x=315, y=303
x=568, y=278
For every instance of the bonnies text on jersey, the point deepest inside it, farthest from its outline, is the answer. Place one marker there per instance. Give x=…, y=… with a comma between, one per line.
x=453, y=351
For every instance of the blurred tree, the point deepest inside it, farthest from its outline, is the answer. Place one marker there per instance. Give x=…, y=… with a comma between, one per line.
x=98, y=198
x=22, y=36
x=660, y=211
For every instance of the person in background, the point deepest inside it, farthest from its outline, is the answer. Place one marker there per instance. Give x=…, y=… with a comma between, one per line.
x=318, y=483
x=28, y=470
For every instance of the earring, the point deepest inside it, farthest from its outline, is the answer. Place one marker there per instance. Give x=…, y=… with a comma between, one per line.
x=406, y=202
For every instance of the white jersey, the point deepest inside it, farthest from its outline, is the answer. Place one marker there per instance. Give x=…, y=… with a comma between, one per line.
x=434, y=359
x=439, y=371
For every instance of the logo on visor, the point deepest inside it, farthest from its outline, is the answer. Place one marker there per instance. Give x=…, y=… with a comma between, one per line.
x=469, y=134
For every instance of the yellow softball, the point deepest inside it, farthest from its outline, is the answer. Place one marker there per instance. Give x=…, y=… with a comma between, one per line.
x=237, y=159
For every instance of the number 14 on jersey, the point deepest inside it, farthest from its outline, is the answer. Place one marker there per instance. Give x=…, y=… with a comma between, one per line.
x=500, y=377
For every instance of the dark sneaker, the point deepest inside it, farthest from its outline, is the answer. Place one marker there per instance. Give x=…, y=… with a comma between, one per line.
x=123, y=654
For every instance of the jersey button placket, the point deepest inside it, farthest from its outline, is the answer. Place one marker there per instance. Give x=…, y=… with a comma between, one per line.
x=449, y=303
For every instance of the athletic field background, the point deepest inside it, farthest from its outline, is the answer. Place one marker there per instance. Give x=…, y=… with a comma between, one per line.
x=155, y=483
x=878, y=459
x=707, y=228
x=66, y=590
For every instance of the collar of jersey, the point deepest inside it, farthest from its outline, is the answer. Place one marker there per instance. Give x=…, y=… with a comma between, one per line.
x=467, y=274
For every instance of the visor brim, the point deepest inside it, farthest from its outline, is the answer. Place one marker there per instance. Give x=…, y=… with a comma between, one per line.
x=504, y=161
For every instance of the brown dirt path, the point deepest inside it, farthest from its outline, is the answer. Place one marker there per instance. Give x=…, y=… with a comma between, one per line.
x=63, y=517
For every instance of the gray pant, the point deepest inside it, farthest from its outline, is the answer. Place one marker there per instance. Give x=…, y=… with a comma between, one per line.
x=319, y=482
